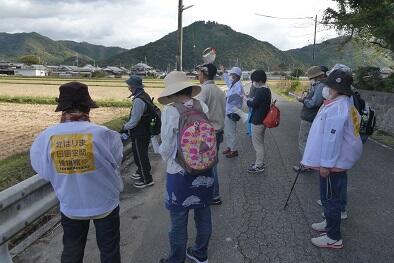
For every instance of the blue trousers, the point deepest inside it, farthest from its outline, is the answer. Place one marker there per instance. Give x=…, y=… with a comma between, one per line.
x=343, y=194
x=178, y=234
x=332, y=190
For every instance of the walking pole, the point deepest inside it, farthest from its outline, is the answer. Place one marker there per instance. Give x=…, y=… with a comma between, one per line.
x=292, y=188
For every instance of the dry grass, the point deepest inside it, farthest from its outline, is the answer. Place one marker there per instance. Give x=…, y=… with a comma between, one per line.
x=96, y=92
x=20, y=123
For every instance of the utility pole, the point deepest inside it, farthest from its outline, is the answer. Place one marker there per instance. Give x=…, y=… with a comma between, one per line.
x=314, y=41
x=180, y=35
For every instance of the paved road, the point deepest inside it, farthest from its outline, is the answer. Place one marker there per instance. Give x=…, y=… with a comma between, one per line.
x=251, y=225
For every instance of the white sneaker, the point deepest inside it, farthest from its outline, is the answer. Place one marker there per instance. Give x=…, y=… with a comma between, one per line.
x=319, y=202
x=324, y=241
x=343, y=215
x=320, y=227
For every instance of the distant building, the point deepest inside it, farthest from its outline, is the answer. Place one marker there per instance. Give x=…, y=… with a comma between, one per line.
x=115, y=71
x=31, y=71
x=143, y=69
x=7, y=68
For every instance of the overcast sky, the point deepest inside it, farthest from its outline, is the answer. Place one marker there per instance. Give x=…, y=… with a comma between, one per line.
x=131, y=23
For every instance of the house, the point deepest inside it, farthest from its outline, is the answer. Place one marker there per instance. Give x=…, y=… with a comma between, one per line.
x=7, y=68
x=143, y=69
x=31, y=71
x=116, y=71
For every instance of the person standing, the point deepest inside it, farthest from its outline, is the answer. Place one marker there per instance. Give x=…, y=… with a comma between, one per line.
x=260, y=105
x=333, y=147
x=81, y=160
x=215, y=99
x=184, y=191
x=139, y=131
x=234, y=100
x=311, y=102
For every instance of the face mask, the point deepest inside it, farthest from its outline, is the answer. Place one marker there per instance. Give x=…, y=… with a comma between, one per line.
x=326, y=93
x=313, y=81
x=257, y=85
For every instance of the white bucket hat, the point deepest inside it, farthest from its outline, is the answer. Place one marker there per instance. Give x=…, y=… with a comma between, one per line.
x=235, y=70
x=174, y=82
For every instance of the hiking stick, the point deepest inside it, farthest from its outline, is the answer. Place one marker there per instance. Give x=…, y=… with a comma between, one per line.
x=292, y=188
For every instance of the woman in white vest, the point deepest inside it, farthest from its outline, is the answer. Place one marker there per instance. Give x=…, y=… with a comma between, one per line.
x=333, y=147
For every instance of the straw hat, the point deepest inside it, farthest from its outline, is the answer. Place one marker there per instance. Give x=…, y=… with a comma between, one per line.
x=174, y=82
x=314, y=72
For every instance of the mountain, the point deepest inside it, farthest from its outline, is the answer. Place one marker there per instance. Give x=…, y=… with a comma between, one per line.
x=95, y=52
x=338, y=50
x=13, y=46
x=235, y=48
x=231, y=47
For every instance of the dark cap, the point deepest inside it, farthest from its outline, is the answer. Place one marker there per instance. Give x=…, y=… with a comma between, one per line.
x=74, y=95
x=340, y=81
x=135, y=82
x=209, y=69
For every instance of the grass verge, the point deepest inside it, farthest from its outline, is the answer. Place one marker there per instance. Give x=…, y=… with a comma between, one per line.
x=16, y=168
x=283, y=87
x=384, y=137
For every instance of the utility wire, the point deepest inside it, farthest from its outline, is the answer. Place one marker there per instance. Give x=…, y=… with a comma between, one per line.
x=284, y=17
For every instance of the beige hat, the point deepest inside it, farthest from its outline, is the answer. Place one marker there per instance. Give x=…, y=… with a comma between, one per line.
x=314, y=72
x=174, y=82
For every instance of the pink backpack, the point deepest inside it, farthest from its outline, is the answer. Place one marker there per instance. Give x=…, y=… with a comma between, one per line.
x=197, y=152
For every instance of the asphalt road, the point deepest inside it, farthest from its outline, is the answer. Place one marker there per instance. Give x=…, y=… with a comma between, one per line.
x=251, y=225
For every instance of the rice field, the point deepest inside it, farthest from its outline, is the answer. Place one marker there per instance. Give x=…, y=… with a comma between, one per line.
x=20, y=123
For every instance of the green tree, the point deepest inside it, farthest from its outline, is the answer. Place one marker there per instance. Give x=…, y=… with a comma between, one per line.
x=297, y=72
x=29, y=59
x=370, y=20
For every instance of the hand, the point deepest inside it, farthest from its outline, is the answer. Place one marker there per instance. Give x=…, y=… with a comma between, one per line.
x=301, y=99
x=324, y=172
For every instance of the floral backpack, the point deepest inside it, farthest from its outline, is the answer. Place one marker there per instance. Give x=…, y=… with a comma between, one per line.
x=197, y=152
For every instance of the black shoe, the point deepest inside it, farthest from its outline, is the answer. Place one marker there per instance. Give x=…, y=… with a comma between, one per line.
x=163, y=260
x=216, y=201
x=190, y=254
x=136, y=176
x=141, y=184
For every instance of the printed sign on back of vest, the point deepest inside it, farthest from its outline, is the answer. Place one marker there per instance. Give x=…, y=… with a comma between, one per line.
x=72, y=153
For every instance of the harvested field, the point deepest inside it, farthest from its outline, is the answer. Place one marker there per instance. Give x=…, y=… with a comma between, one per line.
x=96, y=92
x=20, y=123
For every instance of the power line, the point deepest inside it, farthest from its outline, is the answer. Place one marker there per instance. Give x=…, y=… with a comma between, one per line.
x=307, y=17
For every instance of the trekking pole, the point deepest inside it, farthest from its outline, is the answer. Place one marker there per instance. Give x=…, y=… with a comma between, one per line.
x=292, y=188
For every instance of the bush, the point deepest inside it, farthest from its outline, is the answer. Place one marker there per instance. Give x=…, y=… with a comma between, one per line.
x=370, y=78
x=297, y=72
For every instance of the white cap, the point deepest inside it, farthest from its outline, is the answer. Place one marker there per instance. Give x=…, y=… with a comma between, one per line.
x=235, y=70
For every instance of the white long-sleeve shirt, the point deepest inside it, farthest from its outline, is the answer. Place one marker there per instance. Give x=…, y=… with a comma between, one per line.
x=233, y=95
x=169, y=135
x=82, y=161
x=334, y=140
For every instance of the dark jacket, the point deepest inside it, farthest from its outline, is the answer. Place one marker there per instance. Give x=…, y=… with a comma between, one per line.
x=312, y=102
x=260, y=105
x=142, y=128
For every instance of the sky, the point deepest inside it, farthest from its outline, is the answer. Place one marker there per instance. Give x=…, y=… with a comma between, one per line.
x=132, y=23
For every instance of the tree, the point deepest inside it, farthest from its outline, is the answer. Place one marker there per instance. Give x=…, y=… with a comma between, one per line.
x=370, y=20
x=29, y=59
x=297, y=72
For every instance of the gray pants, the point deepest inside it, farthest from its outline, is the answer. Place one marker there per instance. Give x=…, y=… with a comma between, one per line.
x=258, y=132
x=305, y=126
x=230, y=133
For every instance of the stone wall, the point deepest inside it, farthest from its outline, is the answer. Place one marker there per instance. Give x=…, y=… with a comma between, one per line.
x=383, y=103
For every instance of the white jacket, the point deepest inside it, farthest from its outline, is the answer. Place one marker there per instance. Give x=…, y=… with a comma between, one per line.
x=334, y=140
x=81, y=160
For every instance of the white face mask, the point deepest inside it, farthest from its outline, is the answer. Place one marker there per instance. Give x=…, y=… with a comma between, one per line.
x=257, y=84
x=326, y=93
